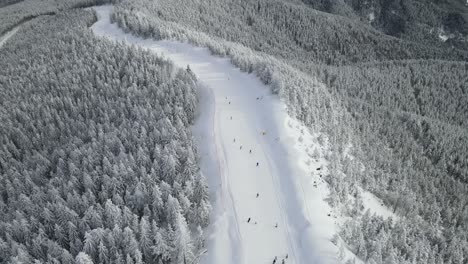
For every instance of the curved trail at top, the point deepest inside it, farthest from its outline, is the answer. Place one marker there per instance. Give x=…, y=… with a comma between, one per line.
x=238, y=114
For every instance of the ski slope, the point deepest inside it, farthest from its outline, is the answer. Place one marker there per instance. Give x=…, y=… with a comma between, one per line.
x=238, y=114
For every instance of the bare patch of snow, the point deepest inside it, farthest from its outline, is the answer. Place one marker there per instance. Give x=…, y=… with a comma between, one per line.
x=375, y=205
x=371, y=16
x=443, y=37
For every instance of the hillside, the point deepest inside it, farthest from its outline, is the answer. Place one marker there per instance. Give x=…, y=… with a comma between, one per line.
x=400, y=104
x=97, y=161
x=432, y=22
x=234, y=131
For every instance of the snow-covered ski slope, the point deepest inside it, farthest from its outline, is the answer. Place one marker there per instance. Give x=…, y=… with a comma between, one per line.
x=238, y=114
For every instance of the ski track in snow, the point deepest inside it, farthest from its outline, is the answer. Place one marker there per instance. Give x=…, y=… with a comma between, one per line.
x=291, y=192
x=8, y=35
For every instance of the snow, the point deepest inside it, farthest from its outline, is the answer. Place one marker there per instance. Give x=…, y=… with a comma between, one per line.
x=375, y=205
x=291, y=189
x=7, y=36
x=371, y=16
x=369, y=200
x=443, y=37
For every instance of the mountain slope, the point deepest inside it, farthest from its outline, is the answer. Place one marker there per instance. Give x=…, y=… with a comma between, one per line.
x=392, y=106
x=246, y=125
x=97, y=159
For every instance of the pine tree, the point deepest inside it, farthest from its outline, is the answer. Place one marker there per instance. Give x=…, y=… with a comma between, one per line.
x=145, y=238
x=103, y=253
x=83, y=258
x=90, y=244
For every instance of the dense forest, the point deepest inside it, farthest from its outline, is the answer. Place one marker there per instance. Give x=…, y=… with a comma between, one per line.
x=14, y=12
x=414, y=20
x=285, y=30
x=399, y=99
x=97, y=163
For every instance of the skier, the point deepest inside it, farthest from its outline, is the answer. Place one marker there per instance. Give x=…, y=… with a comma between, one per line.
x=240, y=147
x=250, y=151
x=286, y=256
x=276, y=226
x=257, y=164
x=257, y=195
x=229, y=102
x=282, y=262
x=248, y=220
x=274, y=260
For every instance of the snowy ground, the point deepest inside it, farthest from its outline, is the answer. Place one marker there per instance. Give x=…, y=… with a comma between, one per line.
x=8, y=35
x=376, y=206
x=238, y=114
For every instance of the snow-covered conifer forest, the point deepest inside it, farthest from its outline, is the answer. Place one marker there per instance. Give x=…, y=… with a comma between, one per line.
x=96, y=152
x=98, y=163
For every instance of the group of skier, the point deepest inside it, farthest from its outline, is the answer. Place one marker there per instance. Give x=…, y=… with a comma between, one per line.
x=250, y=151
x=249, y=219
x=283, y=261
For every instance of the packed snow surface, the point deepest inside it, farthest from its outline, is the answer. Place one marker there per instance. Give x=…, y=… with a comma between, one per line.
x=242, y=124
